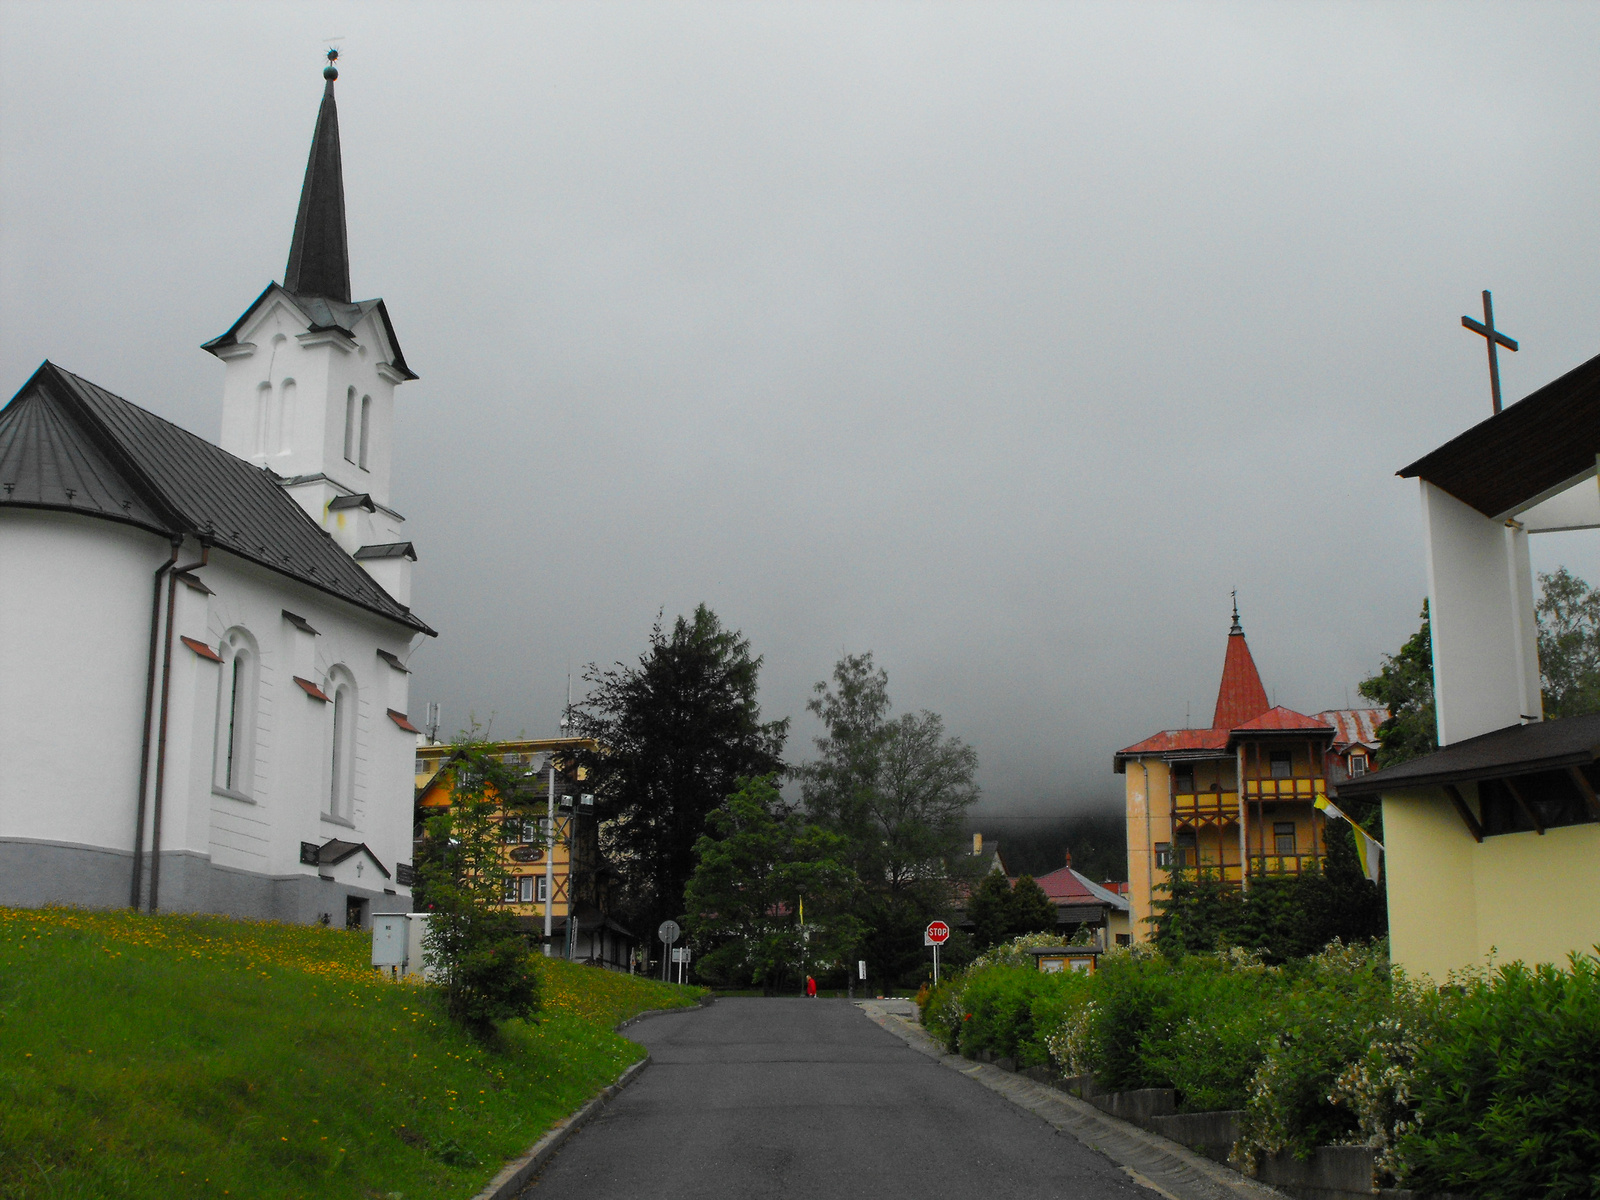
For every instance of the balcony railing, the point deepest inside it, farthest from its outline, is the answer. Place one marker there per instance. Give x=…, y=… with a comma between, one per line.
x=1306, y=789
x=1206, y=805
x=1208, y=867
x=1286, y=864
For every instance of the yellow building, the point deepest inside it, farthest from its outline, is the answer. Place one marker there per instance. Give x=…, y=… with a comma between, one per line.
x=1471, y=831
x=1186, y=810
x=544, y=865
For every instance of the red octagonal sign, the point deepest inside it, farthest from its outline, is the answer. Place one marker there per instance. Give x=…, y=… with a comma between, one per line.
x=938, y=933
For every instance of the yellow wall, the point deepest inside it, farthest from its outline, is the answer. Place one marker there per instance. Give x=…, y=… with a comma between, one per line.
x=1148, y=823
x=1117, y=923
x=1453, y=901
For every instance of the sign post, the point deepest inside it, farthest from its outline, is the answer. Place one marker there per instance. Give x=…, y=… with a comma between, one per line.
x=936, y=935
x=668, y=933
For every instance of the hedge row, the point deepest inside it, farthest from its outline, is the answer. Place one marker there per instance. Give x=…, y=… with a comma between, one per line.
x=1487, y=1086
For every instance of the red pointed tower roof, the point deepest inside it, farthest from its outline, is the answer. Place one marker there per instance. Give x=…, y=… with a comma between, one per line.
x=1241, y=697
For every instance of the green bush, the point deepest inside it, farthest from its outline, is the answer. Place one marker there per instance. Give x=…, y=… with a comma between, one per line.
x=1486, y=1086
x=1509, y=1091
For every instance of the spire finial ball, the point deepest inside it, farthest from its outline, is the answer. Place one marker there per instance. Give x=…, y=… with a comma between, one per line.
x=331, y=72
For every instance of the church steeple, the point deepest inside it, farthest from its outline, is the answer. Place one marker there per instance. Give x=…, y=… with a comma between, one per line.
x=319, y=255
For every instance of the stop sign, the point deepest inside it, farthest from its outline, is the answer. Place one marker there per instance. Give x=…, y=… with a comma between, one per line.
x=938, y=933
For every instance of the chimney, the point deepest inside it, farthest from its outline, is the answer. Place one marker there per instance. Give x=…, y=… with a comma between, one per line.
x=1069, y=856
x=977, y=843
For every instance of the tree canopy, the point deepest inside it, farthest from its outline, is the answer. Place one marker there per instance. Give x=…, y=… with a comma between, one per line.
x=677, y=733
x=898, y=788
x=760, y=864
x=1568, y=613
x=1404, y=685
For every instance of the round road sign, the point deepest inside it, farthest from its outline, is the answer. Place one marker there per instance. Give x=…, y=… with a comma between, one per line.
x=669, y=932
x=938, y=933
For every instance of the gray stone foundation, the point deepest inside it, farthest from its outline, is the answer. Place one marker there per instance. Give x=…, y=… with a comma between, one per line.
x=33, y=874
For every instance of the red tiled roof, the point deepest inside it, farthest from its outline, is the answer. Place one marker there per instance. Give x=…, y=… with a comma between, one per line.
x=1241, y=697
x=1171, y=740
x=1281, y=718
x=1064, y=887
x=1355, y=725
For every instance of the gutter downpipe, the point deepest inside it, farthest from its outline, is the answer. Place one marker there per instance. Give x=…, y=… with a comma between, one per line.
x=1244, y=838
x=149, y=712
x=161, y=733
x=1149, y=846
x=549, y=859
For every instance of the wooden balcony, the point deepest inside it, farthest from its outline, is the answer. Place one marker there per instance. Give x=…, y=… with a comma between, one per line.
x=1304, y=788
x=1213, y=807
x=1286, y=864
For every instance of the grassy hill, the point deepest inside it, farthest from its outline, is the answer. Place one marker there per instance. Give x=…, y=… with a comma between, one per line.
x=198, y=1056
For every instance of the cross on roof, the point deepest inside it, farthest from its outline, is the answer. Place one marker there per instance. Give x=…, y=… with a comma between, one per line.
x=1495, y=340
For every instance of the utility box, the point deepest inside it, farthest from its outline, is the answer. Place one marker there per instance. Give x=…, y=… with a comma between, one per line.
x=389, y=937
x=416, y=930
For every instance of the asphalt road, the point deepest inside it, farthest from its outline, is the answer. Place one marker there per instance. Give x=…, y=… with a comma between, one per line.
x=809, y=1098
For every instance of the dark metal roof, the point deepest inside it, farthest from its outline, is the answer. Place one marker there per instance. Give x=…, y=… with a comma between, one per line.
x=335, y=851
x=319, y=255
x=1516, y=750
x=70, y=445
x=1538, y=443
x=387, y=550
x=321, y=314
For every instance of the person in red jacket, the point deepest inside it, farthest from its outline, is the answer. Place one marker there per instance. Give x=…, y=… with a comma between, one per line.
x=811, y=987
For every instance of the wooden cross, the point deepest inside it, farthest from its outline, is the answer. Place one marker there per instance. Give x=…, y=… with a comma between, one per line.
x=1496, y=339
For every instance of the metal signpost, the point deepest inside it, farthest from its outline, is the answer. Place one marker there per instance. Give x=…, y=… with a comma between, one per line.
x=668, y=933
x=936, y=935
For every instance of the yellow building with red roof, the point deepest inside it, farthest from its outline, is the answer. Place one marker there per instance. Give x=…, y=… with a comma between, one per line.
x=1186, y=810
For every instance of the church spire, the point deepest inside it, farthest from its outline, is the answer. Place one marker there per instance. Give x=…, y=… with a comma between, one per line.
x=319, y=256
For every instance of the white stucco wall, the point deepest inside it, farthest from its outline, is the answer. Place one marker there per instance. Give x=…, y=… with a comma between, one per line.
x=274, y=348
x=74, y=634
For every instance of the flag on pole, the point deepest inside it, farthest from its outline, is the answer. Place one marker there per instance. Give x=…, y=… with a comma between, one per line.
x=802, y=911
x=1368, y=848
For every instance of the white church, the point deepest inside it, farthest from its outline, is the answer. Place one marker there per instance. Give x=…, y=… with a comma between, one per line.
x=203, y=688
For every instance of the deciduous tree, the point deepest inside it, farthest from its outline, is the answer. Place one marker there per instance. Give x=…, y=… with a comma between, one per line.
x=1568, y=613
x=757, y=865
x=1404, y=685
x=485, y=966
x=899, y=789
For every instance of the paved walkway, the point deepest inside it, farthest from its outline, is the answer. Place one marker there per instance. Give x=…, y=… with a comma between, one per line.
x=812, y=1099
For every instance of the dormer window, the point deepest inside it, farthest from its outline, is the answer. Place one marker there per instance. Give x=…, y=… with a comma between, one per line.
x=1358, y=763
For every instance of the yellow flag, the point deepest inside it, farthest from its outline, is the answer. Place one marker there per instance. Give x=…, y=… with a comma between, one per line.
x=802, y=910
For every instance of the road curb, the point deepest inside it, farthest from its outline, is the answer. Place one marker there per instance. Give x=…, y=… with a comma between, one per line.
x=1163, y=1166
x=517, y=1173
x=515, y=1176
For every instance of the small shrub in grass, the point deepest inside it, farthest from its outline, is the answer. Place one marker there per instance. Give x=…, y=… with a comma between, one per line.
x=1509, y=1088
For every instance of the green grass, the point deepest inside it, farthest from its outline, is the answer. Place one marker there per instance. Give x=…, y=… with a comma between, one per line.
x=198, y=1056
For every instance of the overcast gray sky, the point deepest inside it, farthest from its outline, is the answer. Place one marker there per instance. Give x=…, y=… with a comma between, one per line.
x=1002, y=340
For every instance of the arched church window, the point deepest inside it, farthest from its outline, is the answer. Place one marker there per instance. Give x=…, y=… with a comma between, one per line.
x=285, y=417
x=366, y=428
x=263, y=414
x=237, y=695
x=350, y=426
x=341, y=758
